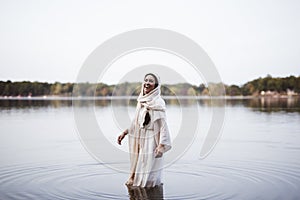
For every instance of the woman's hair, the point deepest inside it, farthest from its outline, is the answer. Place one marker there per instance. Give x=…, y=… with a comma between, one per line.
x=147, y=119
x=156, y=80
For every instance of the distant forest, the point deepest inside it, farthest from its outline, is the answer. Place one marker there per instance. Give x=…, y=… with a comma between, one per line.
x=261, y=86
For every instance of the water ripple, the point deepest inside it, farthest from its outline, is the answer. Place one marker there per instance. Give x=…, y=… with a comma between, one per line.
x=241, y=180
x=195, y=180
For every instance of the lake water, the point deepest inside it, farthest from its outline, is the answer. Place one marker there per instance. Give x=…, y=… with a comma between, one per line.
x=256, y=157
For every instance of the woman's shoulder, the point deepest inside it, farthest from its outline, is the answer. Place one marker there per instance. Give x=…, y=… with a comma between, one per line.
x=160, y=101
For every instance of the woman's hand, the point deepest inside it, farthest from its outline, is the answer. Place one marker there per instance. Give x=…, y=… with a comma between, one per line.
x=159, y=151
x=122, y=136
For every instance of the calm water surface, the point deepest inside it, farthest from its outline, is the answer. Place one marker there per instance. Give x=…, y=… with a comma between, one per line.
x=257, y=156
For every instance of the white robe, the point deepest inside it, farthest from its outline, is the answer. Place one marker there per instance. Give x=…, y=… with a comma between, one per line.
x=145, y=168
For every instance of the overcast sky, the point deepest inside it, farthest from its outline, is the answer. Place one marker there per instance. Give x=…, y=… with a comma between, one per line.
x=49, y=40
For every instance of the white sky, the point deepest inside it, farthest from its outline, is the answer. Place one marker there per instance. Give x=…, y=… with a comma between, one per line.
x=49, y=40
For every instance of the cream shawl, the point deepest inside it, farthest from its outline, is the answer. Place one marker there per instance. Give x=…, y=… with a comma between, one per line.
x=148, y=102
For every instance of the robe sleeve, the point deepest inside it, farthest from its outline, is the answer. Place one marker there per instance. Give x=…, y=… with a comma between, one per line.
x=164, y=139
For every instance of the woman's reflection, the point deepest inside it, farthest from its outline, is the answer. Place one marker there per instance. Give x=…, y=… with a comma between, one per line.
x=146, y=193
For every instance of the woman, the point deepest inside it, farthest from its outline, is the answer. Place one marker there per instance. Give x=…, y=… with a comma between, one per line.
x=149, y=136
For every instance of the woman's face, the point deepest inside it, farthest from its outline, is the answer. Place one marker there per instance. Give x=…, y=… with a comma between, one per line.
x=149, y=84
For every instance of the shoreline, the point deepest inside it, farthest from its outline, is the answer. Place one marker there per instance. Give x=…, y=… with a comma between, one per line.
x=135, y=97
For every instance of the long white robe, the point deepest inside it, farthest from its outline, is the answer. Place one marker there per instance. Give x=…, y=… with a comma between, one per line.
x=145, y=168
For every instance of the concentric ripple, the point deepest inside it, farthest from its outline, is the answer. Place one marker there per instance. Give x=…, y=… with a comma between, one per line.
x=63, y=181
x=196, y=180
x=238, y=180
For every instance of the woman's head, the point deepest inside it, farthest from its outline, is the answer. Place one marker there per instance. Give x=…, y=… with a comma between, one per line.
x=150, y=82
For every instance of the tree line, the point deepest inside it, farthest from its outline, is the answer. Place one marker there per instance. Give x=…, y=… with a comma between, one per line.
x=251, y=88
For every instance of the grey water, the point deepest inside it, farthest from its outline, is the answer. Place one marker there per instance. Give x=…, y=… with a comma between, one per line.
x=256, y=157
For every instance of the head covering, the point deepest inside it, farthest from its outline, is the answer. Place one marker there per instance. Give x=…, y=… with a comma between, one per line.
x=153, y=94
x=151, y=101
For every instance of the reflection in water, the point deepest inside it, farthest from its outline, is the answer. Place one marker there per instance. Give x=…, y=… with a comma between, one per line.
x=278, y=104
x=24, y=104
x=269, y=104
x=150, y=193
x=263, y=104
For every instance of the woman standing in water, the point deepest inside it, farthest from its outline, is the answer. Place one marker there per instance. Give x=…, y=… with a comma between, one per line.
x=149, y=136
